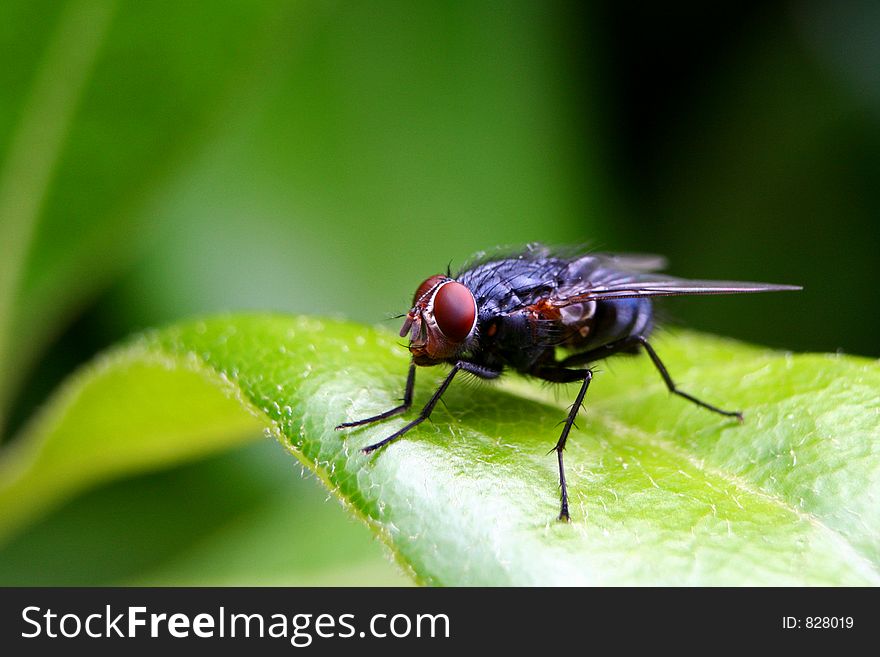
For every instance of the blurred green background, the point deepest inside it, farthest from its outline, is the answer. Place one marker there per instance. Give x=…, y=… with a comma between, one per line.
x=165, y=159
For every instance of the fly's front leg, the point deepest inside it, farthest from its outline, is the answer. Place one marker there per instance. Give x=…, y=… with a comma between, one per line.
x=397, y=410
x=477, y=370
x=559, y=374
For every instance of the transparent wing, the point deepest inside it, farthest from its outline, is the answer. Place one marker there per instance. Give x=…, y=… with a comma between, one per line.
x=632, y=262
x=625, y=285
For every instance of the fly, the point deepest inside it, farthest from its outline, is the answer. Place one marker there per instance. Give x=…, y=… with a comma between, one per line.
x=515, y=311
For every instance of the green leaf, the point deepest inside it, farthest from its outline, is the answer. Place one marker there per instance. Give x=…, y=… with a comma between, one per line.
x=662, y=492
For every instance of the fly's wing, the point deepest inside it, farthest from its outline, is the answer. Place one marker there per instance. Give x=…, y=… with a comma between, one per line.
x=541, y=275
x=610, y=284
x=573, y=258
x=630, y=262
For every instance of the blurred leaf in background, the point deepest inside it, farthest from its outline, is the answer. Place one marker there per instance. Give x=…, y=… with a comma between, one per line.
x=745, y=143
x=165, y=159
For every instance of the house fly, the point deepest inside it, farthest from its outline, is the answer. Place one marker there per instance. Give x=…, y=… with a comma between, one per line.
x=517, y=311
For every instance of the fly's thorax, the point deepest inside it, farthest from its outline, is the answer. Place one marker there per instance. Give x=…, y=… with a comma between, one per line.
x=442, y=322
x=557, y=322
x=511, y=340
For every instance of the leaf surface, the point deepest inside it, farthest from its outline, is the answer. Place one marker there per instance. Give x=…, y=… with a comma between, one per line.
x=662, y=491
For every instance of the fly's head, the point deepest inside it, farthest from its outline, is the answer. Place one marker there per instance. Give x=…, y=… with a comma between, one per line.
x=442, y=320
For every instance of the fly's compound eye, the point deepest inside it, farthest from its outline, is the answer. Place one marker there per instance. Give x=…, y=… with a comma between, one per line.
x=427, y=286
x=455, y=311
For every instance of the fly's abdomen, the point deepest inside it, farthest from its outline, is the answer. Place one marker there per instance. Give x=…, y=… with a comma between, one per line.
x=616, y=319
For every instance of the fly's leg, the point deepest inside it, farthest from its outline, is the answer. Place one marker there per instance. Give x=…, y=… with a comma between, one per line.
x=559, y=374
x=397, y=410
x=640, y=340
x=477, y=370
x=674, y=389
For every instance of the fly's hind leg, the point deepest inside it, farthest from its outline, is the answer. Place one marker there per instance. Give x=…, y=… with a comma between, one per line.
x=636, y=341
x=558, y=374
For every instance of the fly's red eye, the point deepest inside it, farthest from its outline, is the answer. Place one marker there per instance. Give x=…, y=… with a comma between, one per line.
x=455, y=311
x=426, y=287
